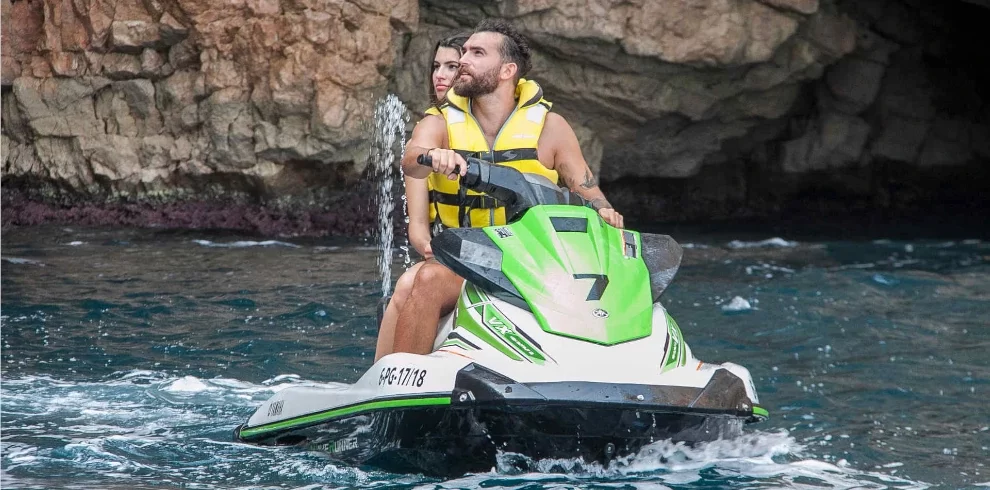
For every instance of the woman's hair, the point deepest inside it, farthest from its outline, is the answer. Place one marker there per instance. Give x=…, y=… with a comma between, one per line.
x=455, y=41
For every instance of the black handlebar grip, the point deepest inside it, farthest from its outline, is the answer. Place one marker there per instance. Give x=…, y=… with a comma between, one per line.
x=427, y=161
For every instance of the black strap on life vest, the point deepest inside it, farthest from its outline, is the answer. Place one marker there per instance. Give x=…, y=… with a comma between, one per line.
x=437, y=227
x=474, y=202
x=501, y=156
x=462, y=207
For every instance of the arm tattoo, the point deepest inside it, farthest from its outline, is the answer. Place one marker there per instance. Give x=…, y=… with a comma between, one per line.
x=600, y=203
x=589, y=180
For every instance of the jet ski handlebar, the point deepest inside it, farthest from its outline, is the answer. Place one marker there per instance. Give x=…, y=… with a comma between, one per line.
x=506, y=184
x=473, y=171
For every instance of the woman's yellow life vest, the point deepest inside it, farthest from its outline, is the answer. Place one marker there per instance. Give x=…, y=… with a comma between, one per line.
x=515, y=146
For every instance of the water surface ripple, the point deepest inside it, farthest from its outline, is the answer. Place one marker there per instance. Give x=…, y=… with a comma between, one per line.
x=129, y=356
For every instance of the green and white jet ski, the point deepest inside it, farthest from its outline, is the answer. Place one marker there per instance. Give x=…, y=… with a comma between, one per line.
x=558, y=348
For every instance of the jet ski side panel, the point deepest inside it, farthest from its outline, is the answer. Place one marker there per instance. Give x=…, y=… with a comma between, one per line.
x=396, y=381
x=488, y=413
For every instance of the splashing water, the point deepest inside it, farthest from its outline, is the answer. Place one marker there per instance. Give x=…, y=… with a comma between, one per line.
x=390, y=125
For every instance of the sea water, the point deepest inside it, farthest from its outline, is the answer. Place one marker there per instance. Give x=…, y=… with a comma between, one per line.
x=129, y=357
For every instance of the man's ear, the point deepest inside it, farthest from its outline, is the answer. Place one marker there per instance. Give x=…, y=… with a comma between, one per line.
x=508, y=71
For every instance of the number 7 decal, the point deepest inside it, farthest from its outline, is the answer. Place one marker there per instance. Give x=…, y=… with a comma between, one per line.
x=598, y=288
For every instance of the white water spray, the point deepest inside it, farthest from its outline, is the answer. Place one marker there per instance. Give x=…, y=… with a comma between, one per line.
x=387, y=146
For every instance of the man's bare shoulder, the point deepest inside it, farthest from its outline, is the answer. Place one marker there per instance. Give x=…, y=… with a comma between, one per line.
x=552, y=127
x=556, y=131
x=555, y=121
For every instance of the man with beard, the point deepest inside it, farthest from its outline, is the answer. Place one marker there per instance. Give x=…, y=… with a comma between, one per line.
x=494, y=115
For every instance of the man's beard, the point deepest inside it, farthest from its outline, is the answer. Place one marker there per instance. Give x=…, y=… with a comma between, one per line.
x=483, y=84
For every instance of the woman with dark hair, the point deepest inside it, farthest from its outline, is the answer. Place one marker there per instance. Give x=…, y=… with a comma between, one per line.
x=446, y=54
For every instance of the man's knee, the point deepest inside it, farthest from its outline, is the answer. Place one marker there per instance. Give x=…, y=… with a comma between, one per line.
x=405, y=284
x=432, y=275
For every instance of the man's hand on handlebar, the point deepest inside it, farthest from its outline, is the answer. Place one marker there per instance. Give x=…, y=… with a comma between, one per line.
x=612, y=217
x=448, y=162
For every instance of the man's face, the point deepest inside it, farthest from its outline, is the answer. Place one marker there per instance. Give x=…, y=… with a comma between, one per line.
x=481, y=65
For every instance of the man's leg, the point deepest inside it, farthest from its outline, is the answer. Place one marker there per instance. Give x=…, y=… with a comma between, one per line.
x=386, y=332
x=435, y=291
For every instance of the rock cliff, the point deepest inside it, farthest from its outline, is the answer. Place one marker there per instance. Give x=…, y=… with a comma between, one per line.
x=688, y=109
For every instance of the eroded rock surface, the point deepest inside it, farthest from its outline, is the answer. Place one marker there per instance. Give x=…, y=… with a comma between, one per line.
x=722, y=107
x=145, y=98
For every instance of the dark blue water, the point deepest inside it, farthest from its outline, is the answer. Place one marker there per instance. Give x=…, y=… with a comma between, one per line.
x=128, y=357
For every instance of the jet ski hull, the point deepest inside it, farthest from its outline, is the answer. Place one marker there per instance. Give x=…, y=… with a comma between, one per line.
x=487, y=414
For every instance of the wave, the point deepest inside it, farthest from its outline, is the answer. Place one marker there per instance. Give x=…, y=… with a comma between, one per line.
x=245, y=244
x=20, y=261
x=770, y=242
x=145, y=427
x=770, y=459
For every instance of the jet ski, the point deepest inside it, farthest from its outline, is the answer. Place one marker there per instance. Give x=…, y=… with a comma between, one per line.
x=558, y=347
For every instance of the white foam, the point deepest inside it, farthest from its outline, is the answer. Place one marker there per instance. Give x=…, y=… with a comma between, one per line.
x=738, y=303
x=770, y=242
x=280, y=378
x=97, y=429
x=76, y=243
x=866, y=265
x=678, y=462
x=127, y=419
x=187, y=384
x=754, y=456
x=881, y=279
x=245, y=244
x=20, y=261
x=768, y=267
x=136, y=376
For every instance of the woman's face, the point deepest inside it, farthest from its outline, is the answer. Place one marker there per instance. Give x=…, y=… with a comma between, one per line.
x=444, y=69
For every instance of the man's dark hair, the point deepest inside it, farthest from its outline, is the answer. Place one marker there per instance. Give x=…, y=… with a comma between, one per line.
x=514, y=47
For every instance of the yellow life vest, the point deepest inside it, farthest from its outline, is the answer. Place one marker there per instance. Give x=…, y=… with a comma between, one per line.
x=515, y=146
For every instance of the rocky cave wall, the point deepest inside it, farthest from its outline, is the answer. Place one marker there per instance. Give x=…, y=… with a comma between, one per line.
x=687, y=109
x=702, y=109
x=142, y=98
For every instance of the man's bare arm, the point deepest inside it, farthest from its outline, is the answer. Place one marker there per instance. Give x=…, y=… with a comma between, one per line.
x=570, y=164
x=429, y=133
x=590, y=187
